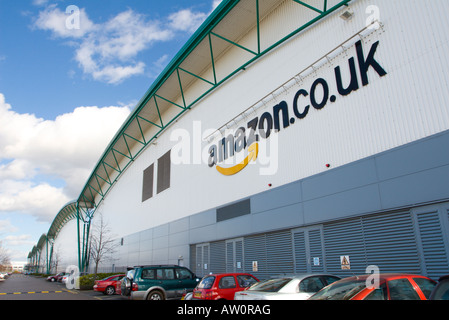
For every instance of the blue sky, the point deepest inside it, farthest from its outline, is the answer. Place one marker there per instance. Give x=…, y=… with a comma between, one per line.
x=71, y=71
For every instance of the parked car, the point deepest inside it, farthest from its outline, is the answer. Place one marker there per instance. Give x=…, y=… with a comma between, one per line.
x=64, y=278
x=293, y=287
x=441, y=291
x=223, y=286
x=159, y=282
x=391, y=287
x=56, y=277
x=108, y=285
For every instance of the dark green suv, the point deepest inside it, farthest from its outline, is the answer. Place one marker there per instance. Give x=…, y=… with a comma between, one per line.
x=160, y=282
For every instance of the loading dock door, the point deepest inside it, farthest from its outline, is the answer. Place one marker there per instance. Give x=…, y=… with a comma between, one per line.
x=234, y=255
x=308, y=249
x=202, y=259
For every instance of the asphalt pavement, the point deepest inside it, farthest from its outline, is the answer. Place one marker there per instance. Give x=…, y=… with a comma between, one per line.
x=27, y=287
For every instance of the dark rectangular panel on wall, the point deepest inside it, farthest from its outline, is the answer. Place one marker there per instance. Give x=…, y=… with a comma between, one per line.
x=163, y=172
x=234, y=210
x=148, y=178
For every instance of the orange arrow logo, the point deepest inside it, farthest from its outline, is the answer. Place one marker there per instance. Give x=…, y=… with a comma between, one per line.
x=253, y=152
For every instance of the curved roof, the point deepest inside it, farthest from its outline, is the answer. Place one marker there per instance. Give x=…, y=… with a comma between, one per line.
x=67, y=213
x=196, y=64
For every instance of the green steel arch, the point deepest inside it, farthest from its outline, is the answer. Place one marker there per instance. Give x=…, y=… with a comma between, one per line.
x=46, y=241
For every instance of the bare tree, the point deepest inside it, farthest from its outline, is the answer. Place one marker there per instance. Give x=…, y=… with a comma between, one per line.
x=4, y=257
x=56, y=259
x=102, y=244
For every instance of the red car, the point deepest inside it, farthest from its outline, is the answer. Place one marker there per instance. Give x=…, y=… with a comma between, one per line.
x=222, y=286
x=56, y=277
x=108, y=285
x=390, y=287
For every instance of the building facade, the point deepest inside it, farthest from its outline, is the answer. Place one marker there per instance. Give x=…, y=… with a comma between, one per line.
x=288, y=136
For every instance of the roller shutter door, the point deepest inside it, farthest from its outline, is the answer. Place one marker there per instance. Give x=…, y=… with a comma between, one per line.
x=255, y=251
x=432, y=230
x=217, y=257
x=345, y=238
x=279, y=252
x=273, y=253
x=390, y=242
x=385, y=240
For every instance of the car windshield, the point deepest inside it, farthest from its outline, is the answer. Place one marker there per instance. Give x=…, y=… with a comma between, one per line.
x=442, y=291
x=340, y=290
x=206, y=283
x=270, y=285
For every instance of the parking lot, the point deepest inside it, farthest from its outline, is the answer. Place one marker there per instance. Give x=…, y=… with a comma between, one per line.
x=26, y=287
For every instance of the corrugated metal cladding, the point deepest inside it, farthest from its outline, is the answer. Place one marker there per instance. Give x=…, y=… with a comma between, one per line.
x=398, y=241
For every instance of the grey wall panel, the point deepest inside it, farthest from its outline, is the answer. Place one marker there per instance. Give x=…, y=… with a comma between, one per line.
x=203, y=234
x=233, y=228
x=179, y=225
x=146, y=235
x=342, y=205
x=160, y=243
x=203, y=219
x=355, y=175
x=421, y=187
x=178, y=239
x=283, y=217
x=161, y=231
x=423, y=155
x=276, y=198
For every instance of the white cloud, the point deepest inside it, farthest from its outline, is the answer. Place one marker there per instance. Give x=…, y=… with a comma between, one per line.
x=108, y=51
x=55, y=20
x=65, y=149
x=18, y=240
x=6, y=227
x=187, y=20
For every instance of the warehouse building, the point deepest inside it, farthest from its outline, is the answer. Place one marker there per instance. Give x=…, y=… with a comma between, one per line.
x=285, y=136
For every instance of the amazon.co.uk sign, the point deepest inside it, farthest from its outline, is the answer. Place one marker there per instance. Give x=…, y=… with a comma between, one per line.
x=247, y=144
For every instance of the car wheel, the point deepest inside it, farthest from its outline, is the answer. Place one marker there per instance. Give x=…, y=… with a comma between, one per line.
x=52, y=279
x=155, y=295
x=110, y=291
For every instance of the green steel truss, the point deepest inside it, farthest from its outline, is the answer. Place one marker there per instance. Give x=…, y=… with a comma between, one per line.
x=46, y=241
x=169, y=97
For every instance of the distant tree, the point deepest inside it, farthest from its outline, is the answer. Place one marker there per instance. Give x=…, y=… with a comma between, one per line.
x=102, y=243
x=5, y=259
x=56, y=259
